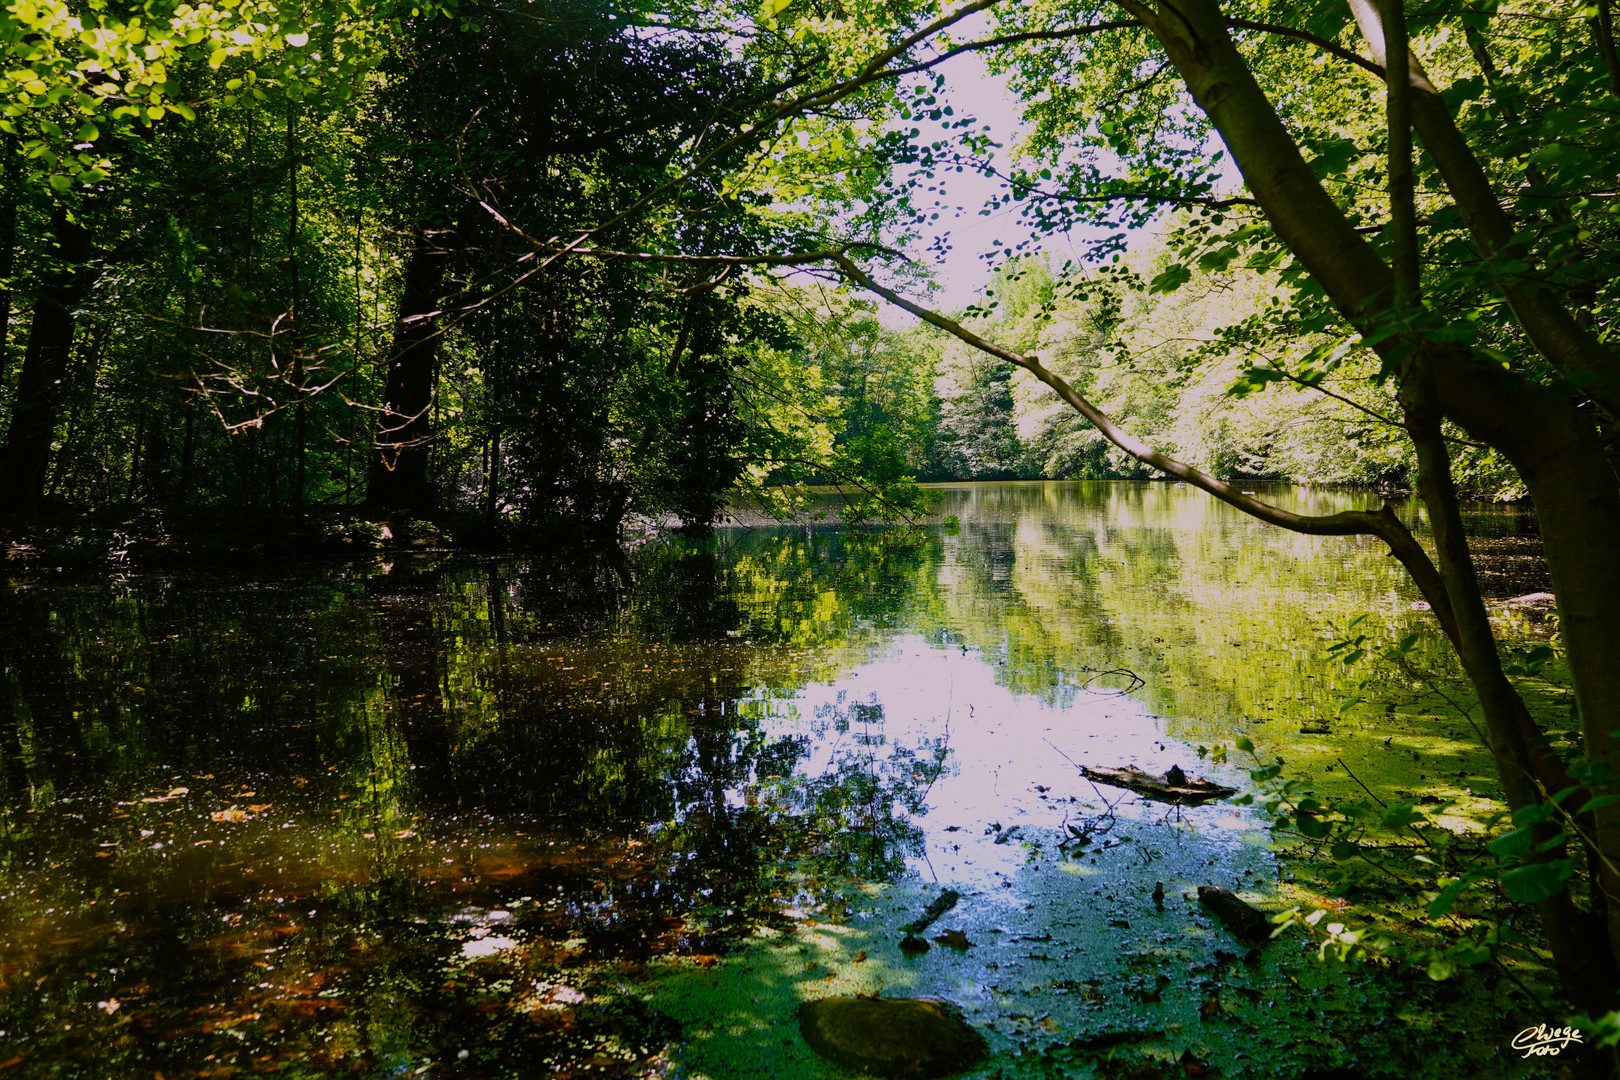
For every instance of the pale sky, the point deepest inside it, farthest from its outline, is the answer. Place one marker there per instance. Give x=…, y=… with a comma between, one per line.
x=971, y=90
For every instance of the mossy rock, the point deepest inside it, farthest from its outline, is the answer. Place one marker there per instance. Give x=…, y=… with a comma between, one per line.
x=898, y=1037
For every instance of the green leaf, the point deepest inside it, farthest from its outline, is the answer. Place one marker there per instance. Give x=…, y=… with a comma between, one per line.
x=60, y=182
x=1598, y=803
x=1511, y=845
x=1255, y=378
x=1170, y=279
x=217, y=57
x=1441, y=970
x=1335, y=157
x=1447, y=898
x=1214, y=262
x=1244, y=743
x=1400, y=815
x=1310, y=826
x=1538, y=814
x=1538, y=881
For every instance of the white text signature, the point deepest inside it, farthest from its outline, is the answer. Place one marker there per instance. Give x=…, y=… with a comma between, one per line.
x=1543, y=1041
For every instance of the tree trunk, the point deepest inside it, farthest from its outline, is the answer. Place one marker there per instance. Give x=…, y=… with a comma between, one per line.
x=8, y=246
x=1554, y=448
x=398, y=478
x=188, y=453
x=294, y=313
x=26, y=458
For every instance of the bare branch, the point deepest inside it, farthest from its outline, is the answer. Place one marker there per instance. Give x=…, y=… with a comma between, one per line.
x=1311, y=39
x=1381, y=523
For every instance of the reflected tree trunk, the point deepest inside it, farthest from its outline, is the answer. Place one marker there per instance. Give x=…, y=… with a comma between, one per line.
x=416, y=668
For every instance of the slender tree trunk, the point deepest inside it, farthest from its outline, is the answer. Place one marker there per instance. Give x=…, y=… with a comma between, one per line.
x=492, y=481
x=398, y=477
x=1554, y=448
x=82, y=380
x=9, y=178
x=1603, y=36
x=133, y=487
x=354, y=368
x=25, y=460
x=296, y=373
x=1586, y=972
x=270, y=441
x=188, y=453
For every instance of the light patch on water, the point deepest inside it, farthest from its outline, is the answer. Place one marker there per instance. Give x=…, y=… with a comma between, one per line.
x=1012, y=761
x=486, y=946
x=1043, y=945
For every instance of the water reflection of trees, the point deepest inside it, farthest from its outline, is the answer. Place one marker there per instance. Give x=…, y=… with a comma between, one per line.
x=598, y=734
x=263, y=802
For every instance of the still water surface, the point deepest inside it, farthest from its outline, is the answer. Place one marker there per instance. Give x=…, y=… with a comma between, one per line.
x=616, y=816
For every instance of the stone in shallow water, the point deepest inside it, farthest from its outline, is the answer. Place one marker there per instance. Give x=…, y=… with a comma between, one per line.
x=898, y=1037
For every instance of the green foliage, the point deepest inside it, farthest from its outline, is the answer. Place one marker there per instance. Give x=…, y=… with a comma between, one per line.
x=1405, y=854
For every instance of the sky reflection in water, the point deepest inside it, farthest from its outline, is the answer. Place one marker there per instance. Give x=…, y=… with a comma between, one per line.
x=514, y=817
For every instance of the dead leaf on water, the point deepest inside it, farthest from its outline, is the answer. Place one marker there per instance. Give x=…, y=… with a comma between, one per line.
x=954, y=939
x=233, y=814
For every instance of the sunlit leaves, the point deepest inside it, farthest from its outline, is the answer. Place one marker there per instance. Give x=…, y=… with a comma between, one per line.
x=1170, y=279
x=93, y=74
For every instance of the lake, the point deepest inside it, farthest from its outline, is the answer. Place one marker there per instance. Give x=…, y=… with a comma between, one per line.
x=617, y=814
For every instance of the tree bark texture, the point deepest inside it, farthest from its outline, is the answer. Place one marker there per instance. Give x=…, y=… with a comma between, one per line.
x=398, y=477
x=25, y=460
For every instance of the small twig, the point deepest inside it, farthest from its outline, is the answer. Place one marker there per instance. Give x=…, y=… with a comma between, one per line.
x=1357, y=779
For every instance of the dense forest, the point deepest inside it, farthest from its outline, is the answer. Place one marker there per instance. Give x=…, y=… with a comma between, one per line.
x=313, y=275
x=534, y=267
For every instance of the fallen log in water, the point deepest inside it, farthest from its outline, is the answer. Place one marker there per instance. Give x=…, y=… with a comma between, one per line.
x=1174, y=786
x=1247, y=923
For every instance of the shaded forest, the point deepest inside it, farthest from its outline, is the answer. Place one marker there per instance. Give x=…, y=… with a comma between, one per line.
x=324, y=286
